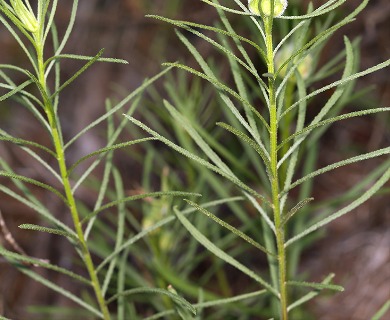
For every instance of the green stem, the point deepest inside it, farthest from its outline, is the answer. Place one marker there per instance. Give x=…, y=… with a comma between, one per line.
x=280, y=233
x=71, y=202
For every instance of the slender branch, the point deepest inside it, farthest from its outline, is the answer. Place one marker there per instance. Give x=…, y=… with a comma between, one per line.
x=60, y=155
x=280, y=233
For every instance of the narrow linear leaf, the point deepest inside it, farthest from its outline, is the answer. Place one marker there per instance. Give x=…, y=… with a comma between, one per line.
x=65, y=38
x=285, y=38
x=81, y=57
x=238, y=75
x=310, y=295
x=221, y=254
x=319, y=286
x=229, y=227
x=35, y=205
x=59, y=232
x=120, y=193
x=159, y=224
x=173, y=296
x=107, y=149
x=382, y=311
x=320, y=38
x=220, y=86
x=207, y=70
x=61, y=291
x=118, y=106
x=318, y=12
x=227, y=9
x=16, y=35
x=77, y=74
x=181, y=23
x=15, y=90
x=363, y=198
x=194, y=157
x=339, y=82
x=332, y=120
x=34, y=182
x=294, y=210
x=339, y=164
x=202, y=144
x=23, y=142
x=139, y=197
x=230, y=55
x=248, y=140
x=237, y=298
x=43, y=264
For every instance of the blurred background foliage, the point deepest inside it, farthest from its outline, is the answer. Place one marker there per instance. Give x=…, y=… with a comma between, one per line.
x=170, y=256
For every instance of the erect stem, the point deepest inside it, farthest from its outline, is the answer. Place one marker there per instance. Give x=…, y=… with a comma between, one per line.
x=71, y=202
x=280, y=233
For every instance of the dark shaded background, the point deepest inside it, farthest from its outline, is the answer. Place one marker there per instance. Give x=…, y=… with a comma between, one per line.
x=119, y=26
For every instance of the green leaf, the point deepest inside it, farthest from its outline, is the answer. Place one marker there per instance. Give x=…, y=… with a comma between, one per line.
x=339, y=164
x=40, y=263
x=159, y=224
x=363, y=198
x=77, y=74
x=345, y=116
x=35, y=205
x=382, y=311
x=59, y=232
x=318, y=286
x=210, y=75
x=61, y=291
x=221, y=254
x=219, y=85
x=321, y=38
x=107, y=149
x=325, y=8
x=23, y=142
x=194, y=157
x=146, y=290
x=34, y=182
x=230, y=33
x=340, y=82
x=237, y=298
x=120, y=193
x=229, y=227
x=118, y=106
x=294, y=210
x=81, y=57
x=264, y=156
x=68, y=31
x=186, y=124
x=15, y=90
x=310, y=295
x=139, y=197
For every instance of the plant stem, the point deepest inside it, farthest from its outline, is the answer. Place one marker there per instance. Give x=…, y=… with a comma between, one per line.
x=71, y=202
x=268, y=21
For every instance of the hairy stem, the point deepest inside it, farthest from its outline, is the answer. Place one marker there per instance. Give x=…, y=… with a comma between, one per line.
x=71, y=202
x=280, y=233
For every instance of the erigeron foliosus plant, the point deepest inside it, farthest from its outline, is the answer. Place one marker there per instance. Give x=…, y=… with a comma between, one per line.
x=277, y=149
x=39, y=93
x=263, y=121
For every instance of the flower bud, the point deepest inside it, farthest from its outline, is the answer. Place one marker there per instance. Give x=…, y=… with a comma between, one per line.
x=264, y=7
x=25, y=15
x=304, y=68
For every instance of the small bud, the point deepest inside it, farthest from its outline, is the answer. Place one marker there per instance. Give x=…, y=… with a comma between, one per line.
x=25, y=15
x=304, y=68
x=264, y=7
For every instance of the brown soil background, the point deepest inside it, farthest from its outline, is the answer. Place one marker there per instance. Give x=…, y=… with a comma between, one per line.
x=361, y=238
